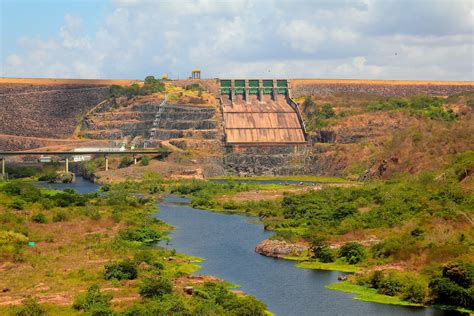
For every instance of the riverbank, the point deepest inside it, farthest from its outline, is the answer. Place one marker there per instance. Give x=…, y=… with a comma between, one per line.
x=383, y=229
x=59, y=248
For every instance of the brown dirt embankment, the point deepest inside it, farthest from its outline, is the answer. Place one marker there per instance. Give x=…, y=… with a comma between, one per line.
x=54, y=81
x=328, y=87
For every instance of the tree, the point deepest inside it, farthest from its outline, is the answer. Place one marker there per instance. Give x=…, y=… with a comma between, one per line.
x=307, y=104
x=353, y=252
x=327, y=111
x=155, y=288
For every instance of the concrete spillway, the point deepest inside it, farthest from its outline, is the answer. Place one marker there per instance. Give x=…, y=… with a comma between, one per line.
x=260, y=118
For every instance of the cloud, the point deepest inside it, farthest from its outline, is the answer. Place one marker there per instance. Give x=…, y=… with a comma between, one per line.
x=374, y=39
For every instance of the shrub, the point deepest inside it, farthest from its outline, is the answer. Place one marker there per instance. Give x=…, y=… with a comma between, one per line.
x=324, y=254
x=155, y=288
x=376, y=279
x=125, y=270
x=460, y=273
x=18, y=204
x=145, y=161
x=308, y=103
x=327, y=111
x=125, y=162
x=39, y=218
x=47, y=203
x=447, y=292
x=352, y=252
x=390, y=285
x=93, y=299
x=141, y=234
x=59, y=217
x=414, y=291
x=29, y=307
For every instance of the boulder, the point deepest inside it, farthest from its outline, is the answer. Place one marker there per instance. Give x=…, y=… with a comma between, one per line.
x=279, y=248
x=63, y=177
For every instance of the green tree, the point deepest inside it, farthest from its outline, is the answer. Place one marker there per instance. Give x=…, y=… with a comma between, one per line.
x=352, y=252
x=155, y=287
x=327, y=111
x=308, y=104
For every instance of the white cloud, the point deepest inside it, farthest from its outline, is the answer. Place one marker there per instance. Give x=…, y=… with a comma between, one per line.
x=14, y=60
x=383, y=39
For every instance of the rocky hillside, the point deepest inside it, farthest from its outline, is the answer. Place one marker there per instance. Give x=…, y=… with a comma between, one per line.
x=362, y=136
x=46, y=110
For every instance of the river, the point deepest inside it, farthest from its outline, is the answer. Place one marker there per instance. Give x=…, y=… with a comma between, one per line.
x=227, y=243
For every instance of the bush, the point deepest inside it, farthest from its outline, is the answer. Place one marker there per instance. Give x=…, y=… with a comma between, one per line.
x=18, y=204
x=155, y=288
x=39, y=218
x=125, y=162
x=141, y=234
x=447, y=292
x=29, y=307
x=390, y=285
x=93, y=299
x=324, y=254
x=327, y=111
x=308, y=103
x=59, y=217
x=460, y=273
x=352, y=252
x=145, y=161
x=414, y=291
x=125, y=270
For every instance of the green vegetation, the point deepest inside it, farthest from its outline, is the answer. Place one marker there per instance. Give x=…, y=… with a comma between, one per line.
x=123, y=270
x=59, y=236
x=29, y=307
x=430, y=107
x=317, y=116
x=409, y=218
x=151, y=85
x=155, y=288
x=145, y=161
x=368, y=294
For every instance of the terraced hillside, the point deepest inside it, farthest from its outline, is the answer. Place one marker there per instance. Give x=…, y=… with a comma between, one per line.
x=152, y=119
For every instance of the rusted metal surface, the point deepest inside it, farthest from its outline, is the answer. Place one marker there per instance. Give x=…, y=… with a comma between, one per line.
x=267, y=121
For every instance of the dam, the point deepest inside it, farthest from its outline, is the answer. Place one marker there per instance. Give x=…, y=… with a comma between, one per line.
x=260, y=112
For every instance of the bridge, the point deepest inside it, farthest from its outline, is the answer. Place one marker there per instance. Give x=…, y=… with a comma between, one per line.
x=68, y=154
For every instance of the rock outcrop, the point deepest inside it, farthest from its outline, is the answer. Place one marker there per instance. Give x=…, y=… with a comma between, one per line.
x=279, y=248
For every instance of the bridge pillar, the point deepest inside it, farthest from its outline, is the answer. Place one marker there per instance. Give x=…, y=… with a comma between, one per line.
x=3, y=167
x=106, y=163
x=260, y=90
x=134, y=159
x=67, y=164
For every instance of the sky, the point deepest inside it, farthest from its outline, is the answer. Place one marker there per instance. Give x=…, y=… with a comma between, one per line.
x=130, y=39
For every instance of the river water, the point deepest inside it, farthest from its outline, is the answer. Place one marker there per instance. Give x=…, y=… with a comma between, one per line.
x=227, y=244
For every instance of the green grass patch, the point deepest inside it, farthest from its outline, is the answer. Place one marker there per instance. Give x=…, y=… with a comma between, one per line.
x=337, y=266
x=368, y=294
x=294, y=258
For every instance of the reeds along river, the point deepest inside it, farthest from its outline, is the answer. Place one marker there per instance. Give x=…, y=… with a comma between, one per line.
x=227, y=243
